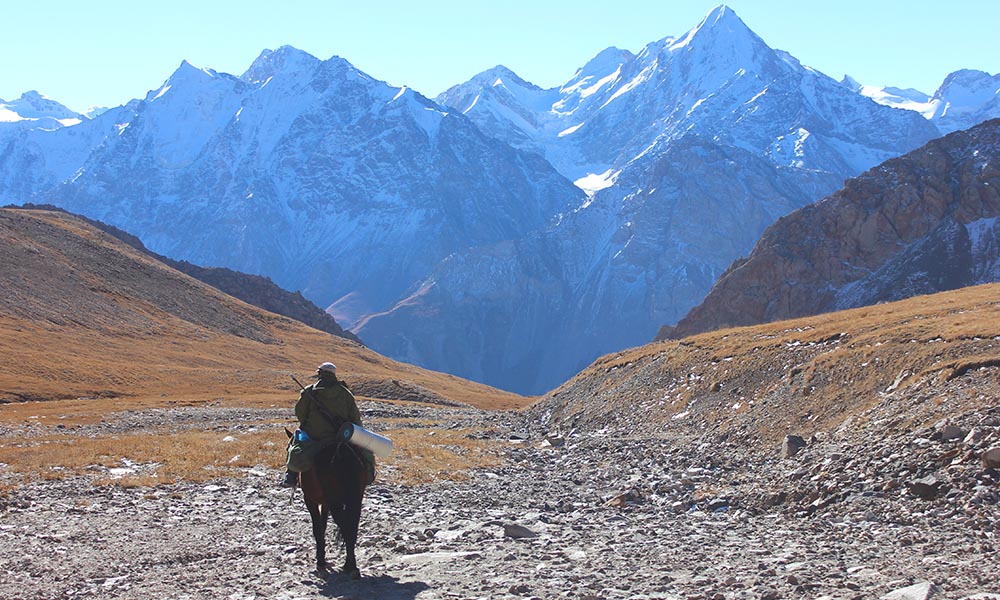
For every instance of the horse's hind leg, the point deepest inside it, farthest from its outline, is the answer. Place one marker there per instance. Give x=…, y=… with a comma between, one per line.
x=348, y=521
x=319, y=520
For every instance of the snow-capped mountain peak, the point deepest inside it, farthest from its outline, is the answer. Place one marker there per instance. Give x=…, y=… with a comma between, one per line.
x=970, y=81
x=501, y=75
x=598, y=71
x=499, y=82
x=851, y=83
x=720, y=29
x=286, y=59
x=964, y=89
x=185, y=75
x=33, y=106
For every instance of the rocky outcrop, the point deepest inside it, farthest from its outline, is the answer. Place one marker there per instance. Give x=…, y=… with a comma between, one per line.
x=922, y=223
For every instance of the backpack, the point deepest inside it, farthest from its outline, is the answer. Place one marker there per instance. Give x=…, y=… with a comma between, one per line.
x=302, y=453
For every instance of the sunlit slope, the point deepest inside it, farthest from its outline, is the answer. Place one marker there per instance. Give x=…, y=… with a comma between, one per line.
x=904, y=364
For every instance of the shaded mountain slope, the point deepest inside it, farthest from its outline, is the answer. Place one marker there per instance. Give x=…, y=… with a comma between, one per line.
x=529, y=313
x=83, y=314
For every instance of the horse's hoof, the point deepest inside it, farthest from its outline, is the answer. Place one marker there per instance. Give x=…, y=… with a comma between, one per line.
x=324, y=567
x=351, y=571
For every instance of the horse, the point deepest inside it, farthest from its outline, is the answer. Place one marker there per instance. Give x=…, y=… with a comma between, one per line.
x=335, y=486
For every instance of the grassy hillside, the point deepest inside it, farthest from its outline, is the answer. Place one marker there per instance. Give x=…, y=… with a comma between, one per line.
x=85, y=317
x=890, y=366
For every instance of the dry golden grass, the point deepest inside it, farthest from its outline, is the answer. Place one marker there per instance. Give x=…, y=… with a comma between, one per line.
x=159, y=457
x=802, y=375
x=423, y=453
x=964, y=314
x=89, y=327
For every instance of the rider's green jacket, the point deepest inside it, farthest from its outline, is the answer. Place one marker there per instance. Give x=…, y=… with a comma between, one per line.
x=338, y=400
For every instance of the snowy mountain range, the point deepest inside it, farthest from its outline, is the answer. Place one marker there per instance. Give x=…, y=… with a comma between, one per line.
x=449, y=232
x=966, y=98
x=308, y=171
x=720, y=80
x=690, y=149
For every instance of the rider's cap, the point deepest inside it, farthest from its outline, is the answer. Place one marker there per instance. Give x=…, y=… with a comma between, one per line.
x=327, y=367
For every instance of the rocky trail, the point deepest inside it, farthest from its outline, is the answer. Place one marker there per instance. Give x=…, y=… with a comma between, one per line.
x=586, y=515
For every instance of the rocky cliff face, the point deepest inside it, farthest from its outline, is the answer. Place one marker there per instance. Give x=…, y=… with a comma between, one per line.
x=922, y=223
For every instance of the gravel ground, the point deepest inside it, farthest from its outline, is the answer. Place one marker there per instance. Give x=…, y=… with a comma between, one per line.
x=585, y=515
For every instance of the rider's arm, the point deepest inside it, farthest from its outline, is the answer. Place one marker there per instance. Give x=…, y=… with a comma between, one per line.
x=302, y=408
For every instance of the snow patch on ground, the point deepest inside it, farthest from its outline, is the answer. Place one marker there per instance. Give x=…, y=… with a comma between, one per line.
x=595, y=182
x=900, y=99
x=570, y=130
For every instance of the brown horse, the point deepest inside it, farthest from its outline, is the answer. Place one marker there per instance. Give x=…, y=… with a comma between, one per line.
x=335, y=486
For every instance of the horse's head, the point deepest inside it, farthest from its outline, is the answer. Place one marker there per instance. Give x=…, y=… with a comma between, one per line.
x=288, y=433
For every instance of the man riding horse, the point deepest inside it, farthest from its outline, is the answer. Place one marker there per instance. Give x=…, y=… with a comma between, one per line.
x=334, y=472
x=335, y=400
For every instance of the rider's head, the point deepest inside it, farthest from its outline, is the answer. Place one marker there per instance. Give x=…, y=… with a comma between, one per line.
x=327, y=370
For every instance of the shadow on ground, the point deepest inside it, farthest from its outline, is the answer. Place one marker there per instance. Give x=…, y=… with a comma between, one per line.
x=382, y=587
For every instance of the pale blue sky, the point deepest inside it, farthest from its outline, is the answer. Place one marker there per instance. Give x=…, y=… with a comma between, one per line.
x=107, y=52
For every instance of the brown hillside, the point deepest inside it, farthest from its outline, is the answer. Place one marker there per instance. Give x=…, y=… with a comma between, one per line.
x=901, y=365
x=252, y=289
x=83, y=315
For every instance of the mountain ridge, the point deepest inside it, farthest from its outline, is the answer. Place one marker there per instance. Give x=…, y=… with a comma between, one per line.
x=878, y=367
x=308, y=171
x=252, y=289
